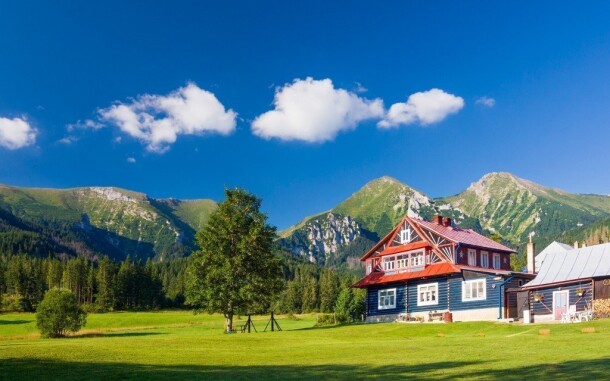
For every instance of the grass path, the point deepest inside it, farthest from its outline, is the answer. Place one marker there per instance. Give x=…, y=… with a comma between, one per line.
x=182, y=346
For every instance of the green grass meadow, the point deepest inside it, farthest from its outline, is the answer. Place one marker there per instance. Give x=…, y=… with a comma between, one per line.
x=182, y=346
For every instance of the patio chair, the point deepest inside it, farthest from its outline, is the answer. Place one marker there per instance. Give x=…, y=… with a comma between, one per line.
x=572, y=315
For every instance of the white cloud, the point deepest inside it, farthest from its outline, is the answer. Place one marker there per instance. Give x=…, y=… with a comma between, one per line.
x=359, y=88
x=486, y=102
x=427, y=107
x=314, y=111
x=131, y=160
x=67, y=140
x=87, y=124
x=16, y=133
x=157, y=120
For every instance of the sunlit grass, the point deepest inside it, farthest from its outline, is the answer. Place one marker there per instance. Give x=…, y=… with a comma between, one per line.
x=180, y=345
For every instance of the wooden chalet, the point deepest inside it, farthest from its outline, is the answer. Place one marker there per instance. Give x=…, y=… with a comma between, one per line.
x=569, y=281
x=427, y=270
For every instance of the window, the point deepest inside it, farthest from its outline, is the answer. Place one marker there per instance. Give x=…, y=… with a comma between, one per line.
x=402, y=261
x=369, y=268
x=405, y=235
x=417, y=259
x=387, y=299
x=496, y=263
x=472, y=257
x=388, y=263
x=474, y=290
x=484, y=259
x=427, y=294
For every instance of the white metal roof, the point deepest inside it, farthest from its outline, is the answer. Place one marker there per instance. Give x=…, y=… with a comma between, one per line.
x=574, y=264
x=554, y=247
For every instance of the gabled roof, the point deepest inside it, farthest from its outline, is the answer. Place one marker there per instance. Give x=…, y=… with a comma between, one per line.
x=401, y=248
x=379, y=277
x=584, y=263
x=463, y=236
x=452, y=233
x=554, y=247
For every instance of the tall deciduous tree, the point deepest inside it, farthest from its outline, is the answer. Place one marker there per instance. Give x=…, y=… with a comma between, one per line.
x=235, y=271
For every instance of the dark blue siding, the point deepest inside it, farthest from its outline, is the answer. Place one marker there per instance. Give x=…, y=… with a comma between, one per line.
x=441, y=297
x=545, y=307
x=406, y=298
x=373, y=300
x=492, y=294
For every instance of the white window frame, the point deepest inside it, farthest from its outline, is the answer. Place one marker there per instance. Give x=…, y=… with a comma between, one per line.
x=485, y=263
x=405, y=236
x=402, y=261
x=379, y=298
x=467, y=285
x=472, y=254
x=389, y=263
x=430, y=302
x=499, y=266
x=417, y=259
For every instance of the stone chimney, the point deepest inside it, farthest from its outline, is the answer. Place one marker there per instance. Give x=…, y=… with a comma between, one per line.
x=438, y=219
x=531, y=256
x=446, y=221
x=576, y=244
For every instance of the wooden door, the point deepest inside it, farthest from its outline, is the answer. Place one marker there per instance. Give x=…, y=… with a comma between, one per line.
x=523, y=303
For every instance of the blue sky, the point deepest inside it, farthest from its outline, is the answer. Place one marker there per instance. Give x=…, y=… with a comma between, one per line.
x=546, y=66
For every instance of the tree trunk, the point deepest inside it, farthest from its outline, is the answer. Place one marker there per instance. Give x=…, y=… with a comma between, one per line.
x=229, y=322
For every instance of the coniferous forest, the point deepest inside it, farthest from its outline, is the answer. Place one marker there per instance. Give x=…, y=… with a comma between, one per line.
x=132, y=284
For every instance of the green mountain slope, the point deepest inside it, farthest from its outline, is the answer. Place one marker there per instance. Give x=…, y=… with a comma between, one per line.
x=594, y=234
x=110, y=221
x=514, y=207
x=497, y=203
x=382, y=203
x=343, y=234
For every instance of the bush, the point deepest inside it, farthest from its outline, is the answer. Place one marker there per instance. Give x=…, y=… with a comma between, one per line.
x=326, y=319
x=13, y=303
x=59, y=313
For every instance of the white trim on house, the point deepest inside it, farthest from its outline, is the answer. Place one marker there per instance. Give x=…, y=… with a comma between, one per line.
x=405, y=235
x=473, y=291
x=389, y=299
x=484, y=255
x=567, y=292
x=429, y=296
x=472, y=257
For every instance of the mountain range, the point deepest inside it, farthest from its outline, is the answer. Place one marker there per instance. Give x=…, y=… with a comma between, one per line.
x=499, y=204
x=117, y=222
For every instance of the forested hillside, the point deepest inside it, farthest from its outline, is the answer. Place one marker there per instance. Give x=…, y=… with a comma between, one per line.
x=98, y=221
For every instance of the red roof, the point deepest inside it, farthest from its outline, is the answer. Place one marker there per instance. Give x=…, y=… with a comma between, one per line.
x=463, y=236
x=379, y=277
x=401, y=248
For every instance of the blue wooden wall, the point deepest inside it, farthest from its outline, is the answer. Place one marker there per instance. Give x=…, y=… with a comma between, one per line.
x=493, y=294
x=449, y=295
x=373, y=300
x=546, y=306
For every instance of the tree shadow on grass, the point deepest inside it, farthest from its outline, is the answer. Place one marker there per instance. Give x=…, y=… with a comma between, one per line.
x=111, y=334
x=36, y=369
x=14, y=322
x=22, y=369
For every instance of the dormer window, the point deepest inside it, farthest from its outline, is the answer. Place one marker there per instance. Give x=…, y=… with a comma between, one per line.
x=405, y=235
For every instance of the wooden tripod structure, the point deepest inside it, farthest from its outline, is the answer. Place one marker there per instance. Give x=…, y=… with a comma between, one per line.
x=273, y=323
x=249, y=324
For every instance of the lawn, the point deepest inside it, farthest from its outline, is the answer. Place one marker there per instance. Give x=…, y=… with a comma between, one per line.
x=183, y=346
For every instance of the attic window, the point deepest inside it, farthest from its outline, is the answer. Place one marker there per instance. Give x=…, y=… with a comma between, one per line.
x=405, y=235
